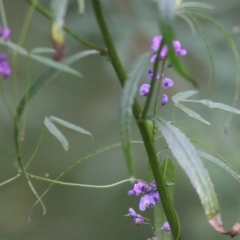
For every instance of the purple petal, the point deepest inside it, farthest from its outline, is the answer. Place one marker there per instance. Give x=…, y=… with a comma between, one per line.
x=144, y=89
x=167, y=83
x=155, y=196
x=132, y=213
x=156, y=41
x=164, y=99
x=166, y=227
x=138, y=220
x=5, y=33
x=147, y=201
x=164, y=52
x=131, y=193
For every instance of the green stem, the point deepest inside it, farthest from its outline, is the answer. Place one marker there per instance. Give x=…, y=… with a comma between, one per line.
x=10, y=180
x=82, y=185
x=150, y=95
x=151, y=152
x=158, y=89
x=84, y=41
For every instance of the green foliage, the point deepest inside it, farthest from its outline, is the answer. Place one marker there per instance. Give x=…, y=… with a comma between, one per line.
x=44, y=79
x=49, y=123
x=167, y=10
x=168, y=172
x=127, y=101
x=187, y=157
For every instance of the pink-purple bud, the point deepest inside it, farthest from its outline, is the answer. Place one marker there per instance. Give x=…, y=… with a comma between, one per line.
x=166, y=227
x=164, y=99
x=144, y=89
x=167, y=83
x=4, y=33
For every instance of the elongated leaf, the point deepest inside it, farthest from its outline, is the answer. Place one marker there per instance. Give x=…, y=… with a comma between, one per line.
x=69, y=125
x=55, y=131
x=42, y=50
x=167, y=9
x=191, y=113
x=188, y=21
x=44, y=60
x=168, y=173
x=207, y=46
x=81, y=6
x=45, y=78
x=186, y=155
x=183, y=95
x=80, y=55
x=236, y=54
x=222, y=163
x=58, y=9
x=195, y=4
x=16, y=48
x=58, y=65
x=211, y=104
x=128, y=96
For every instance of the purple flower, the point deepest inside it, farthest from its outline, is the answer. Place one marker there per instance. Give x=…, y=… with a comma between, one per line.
x=132, y=213
x=164, y=52
x=138, y=219
x=167, y=83
x=147, y=201
x=164, y=99
x=5, y=69
x=155, y=196
x=144, y=89
x=138, y=188
x=166, y=227
x=150, y=75
x=178, y=49
x=156, y=41
x=4, y=33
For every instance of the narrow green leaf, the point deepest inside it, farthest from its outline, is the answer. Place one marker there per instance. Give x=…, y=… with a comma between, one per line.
x=69, y=125
x=45, y=78
x=207, y=46
x=80, y=55
x=183, y=95
x=168, y=172
x=58, y=65
x=44, y=60
x=81, y=6
x=186, y=155
x=167, y=10
x=39, y=50
x=128, y=95
x=195, y=4
x=14, y=47
x=58, y=9
x=222, y=163
x=211, y=105
x=191, y=113
x=188, y=21
x=236, y=54
x=54, y=130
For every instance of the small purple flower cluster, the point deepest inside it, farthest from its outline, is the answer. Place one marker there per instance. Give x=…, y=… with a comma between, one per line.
x=149, y=194
x=166, y=82
x=156, y=41
x=149, y=198
x=5, y=69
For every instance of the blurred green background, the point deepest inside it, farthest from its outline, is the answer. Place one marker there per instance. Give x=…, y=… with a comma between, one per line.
x=93, y=103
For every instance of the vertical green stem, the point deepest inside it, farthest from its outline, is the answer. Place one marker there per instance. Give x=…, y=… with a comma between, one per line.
x=146, y=135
